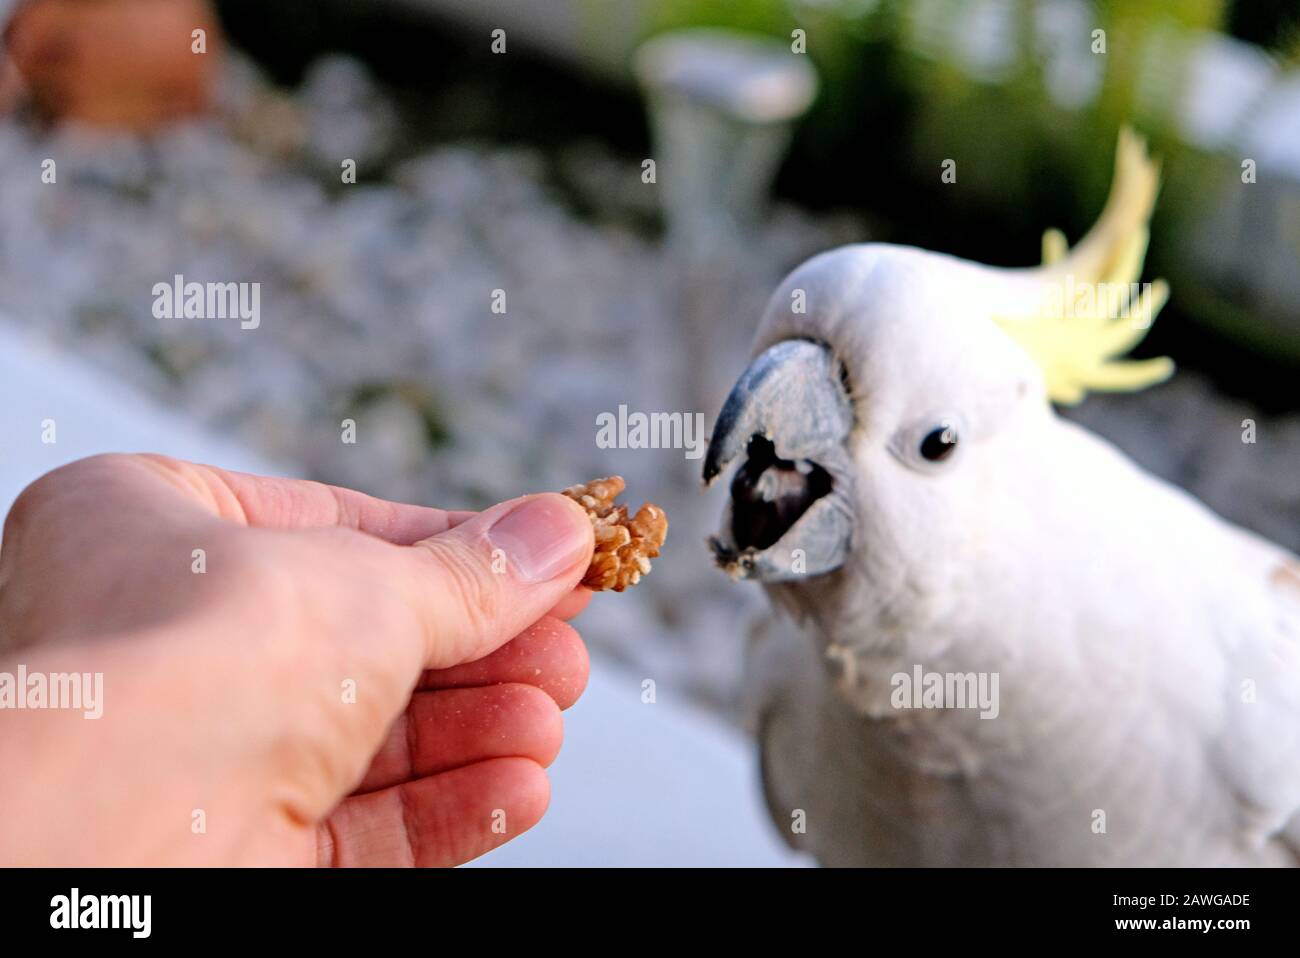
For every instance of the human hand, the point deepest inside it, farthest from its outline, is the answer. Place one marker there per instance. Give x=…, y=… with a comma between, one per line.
x=338, y=685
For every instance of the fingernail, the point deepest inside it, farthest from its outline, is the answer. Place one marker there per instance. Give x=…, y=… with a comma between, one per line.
x=541, y=538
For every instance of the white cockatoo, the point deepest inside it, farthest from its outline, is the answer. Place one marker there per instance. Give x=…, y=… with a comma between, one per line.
x=999, y=641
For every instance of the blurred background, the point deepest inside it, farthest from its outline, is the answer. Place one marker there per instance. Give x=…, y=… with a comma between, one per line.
x=461, y=247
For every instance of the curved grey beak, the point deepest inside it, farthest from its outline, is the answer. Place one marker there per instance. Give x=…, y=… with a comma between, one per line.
x=790, y=512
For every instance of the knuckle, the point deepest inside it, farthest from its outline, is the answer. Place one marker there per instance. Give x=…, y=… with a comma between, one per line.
x=53, y=485
x=465, y=581
x=68, y=480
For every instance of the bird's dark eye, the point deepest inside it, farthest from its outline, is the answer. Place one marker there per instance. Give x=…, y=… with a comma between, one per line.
x=939, y=443
x=928, y=443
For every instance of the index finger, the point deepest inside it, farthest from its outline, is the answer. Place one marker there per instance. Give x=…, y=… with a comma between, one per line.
x=271, y=502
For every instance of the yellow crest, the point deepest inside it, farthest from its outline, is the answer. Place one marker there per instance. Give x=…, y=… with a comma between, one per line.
x=1093, y=309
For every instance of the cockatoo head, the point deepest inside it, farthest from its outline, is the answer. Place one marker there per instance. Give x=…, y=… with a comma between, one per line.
x=896, y=395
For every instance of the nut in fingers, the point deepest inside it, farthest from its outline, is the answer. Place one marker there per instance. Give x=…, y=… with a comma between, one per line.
x=624, y=545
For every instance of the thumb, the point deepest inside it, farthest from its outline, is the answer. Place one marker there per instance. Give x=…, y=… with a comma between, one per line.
x=481, y=583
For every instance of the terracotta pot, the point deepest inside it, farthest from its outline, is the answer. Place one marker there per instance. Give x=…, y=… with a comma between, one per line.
x=127, y=64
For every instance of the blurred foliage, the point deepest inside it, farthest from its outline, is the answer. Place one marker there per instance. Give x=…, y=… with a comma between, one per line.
x=1012, y=137
x=903, y=92
x=899, y=95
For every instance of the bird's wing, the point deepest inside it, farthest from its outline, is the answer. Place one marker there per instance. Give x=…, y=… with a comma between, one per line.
x=817, y=754
x=1285, y=581
x=1259, y=753
x=774, y=673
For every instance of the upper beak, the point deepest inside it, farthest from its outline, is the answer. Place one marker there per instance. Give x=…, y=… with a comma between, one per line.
x=789, y=515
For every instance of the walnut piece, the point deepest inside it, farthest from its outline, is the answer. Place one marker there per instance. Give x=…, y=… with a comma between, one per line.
x=624, y=547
